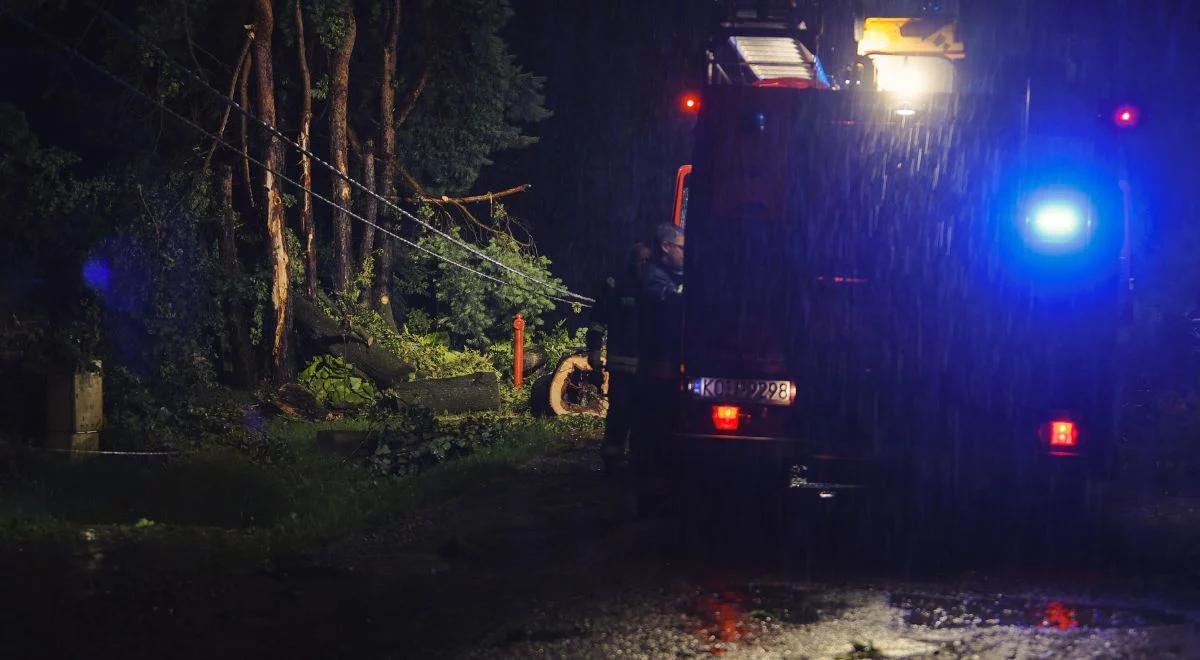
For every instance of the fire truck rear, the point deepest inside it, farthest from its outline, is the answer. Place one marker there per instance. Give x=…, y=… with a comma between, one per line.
x=888, y=277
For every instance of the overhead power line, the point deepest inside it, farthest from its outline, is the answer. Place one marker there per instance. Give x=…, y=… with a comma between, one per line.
x=119, y=24
x=143, y=95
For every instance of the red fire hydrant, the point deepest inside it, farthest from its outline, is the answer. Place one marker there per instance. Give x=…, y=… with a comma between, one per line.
x=518, y=351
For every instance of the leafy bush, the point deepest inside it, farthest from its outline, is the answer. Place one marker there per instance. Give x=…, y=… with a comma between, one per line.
x=430, y=354
x=337, y=384
x=477, y=312
x=411, y=440
x=139, y=417
x=559, y=343
x=161, y=289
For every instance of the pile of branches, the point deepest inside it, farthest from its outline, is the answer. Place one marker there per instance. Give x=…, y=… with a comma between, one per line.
x=405, y=440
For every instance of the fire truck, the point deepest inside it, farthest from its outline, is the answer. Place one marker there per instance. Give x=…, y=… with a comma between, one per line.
x=893, y=274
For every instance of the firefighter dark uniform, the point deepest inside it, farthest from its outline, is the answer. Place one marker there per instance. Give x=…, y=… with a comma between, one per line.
x=660, y=320
x=615, y=315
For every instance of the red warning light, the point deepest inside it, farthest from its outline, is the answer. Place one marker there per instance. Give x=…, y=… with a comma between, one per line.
x=1063, y=434
x=1126, y=116
x=690, y=102
x=725, y=418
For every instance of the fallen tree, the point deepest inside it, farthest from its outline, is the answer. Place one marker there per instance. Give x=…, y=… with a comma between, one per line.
x=461, y=394
x=323, y=334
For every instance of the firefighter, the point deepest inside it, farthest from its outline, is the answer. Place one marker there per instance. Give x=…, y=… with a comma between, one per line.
x=660, y=325
x=615, y=316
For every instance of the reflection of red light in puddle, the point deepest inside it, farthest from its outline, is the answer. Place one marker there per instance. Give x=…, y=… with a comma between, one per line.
x=722, y=618
x=1059, y=616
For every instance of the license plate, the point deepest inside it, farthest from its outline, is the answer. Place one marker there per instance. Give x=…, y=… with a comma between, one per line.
x=766, y=392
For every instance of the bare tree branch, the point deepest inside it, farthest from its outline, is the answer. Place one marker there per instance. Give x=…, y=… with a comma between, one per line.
x=233, y=84
x=413, y=96
x=486, y=197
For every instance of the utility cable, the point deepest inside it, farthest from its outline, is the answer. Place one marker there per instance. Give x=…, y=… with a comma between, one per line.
x=334, y=170
x=134, y=90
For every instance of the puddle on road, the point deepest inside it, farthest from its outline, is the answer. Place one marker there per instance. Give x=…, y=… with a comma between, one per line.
x=735, y=614
x=974, y=611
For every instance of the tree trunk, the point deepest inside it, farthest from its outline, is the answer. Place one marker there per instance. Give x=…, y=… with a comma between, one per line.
x=244, y=100
x=307, y=226
x=282, y=361
x=461, y=394
x=323, y=334
x=235, y=316
x=382, y=298
x=338, y=148
x=368, y=235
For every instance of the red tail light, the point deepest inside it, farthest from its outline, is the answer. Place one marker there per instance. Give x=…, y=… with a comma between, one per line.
x=725, y=418
x=1063, y=433
x=690, y=103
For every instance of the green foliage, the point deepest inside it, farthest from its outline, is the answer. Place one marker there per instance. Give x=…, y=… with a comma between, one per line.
x=320, y=89
x=50, y=218
x=40, y=190
x=139, y=417
x=558, y=343
x=260, y=298
x=411, y=440
x=295, y=252
x=364, y=279
x=159, y=300
x=163, y=310
x=335, y=383
x=477, y=96
x=477, y=312
x=330, y=21
x=418, y=322
x=431, y=356
x=553, y=345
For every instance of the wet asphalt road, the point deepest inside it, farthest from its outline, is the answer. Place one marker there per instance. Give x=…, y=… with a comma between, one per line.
x=552, y=562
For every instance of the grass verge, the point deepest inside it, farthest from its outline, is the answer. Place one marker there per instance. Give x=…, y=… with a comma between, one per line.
x=225, y=507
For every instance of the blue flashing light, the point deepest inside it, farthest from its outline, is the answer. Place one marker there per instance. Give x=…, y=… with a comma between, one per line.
x=97, y=275
x=1059, y=226
x=1057, y=222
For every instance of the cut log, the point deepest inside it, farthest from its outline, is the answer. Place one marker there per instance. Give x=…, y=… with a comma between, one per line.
x=569, y=390
x=322, y=334
x=471, y=393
